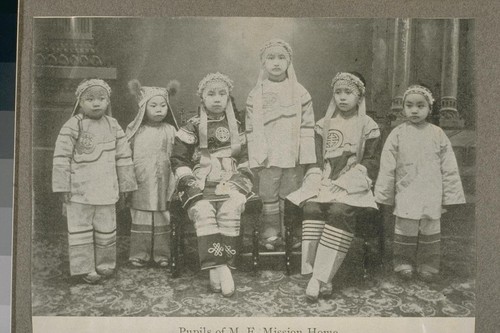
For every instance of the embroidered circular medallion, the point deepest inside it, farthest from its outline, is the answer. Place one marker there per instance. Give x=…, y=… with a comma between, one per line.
x=334, y=139
x=222, y=134
x=85, y=144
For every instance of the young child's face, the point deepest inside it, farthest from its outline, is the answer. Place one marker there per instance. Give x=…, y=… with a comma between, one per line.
x=156, y=108
x=276, y=61
x=346, y=98
x=416, y=108
x=215, y=97
x=94, y=102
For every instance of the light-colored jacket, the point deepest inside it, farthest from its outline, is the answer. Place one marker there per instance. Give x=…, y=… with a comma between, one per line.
x=92, y=161
x=418, y=172
x=152, y=147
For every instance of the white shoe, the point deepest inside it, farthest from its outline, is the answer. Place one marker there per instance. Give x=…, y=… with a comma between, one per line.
x=326, y=289
x=215, y=281
x=312, y=290
x=226, y=281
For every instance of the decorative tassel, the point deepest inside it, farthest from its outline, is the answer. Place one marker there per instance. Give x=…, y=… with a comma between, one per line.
x=173, y=87
x=134, y=87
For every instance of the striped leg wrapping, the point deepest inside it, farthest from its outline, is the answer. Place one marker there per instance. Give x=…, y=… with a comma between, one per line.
x=429, y=252
x=271, y=224
x=81, y=252
x=332, y=250
x=405, y=249
x=105, y=249
x=140, y=241
x=311, y=234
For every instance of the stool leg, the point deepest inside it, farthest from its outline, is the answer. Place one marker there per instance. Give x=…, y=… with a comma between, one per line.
x=174, y=247
x=288, y=235
x=255, y=241
x=365, y=259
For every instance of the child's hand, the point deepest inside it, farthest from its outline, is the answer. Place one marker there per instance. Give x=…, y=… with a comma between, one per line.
x=65, y=197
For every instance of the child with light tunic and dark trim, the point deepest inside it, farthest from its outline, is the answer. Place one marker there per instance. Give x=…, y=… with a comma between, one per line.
x=418, y=175
x=337, y=190
x=92, y=165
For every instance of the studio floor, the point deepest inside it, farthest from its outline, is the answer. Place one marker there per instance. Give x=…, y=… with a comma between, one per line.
x=153, y=292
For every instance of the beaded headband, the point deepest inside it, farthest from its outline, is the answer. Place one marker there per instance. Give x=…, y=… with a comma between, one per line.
x=214, y=77
x=90, y=83
x=276, y=42
x=149, y=92
x=349, y=80
x=416, y=89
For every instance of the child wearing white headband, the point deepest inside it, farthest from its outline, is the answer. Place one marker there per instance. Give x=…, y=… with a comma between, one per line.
x=418, y=175
x=210, y=161
x=337, y=189
x=280, y=132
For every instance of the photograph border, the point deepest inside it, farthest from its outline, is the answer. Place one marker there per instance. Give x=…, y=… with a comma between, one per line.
x=488, y=186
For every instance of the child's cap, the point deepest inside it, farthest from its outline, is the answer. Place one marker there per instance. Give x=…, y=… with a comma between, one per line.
x=144, y=94
x=350, y=80
x=82, y=87
x=276, y=42
x=421, y=90
x=90, y=84
x=214, y=77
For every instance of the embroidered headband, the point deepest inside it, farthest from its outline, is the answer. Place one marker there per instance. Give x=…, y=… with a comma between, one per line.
x=350, y=80
x=276, y=42
x=417, y=89
x=90, y=83
x=214, y=77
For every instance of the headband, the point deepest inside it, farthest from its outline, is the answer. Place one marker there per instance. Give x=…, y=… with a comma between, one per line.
x=416, y=89
x=351, y=81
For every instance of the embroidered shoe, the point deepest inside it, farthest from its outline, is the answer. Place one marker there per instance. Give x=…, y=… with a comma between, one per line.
x=405, y=274
x=428, y=276
x=312, y=290
x=296, y=243
x=215, y=285
x=91, y=278
x=271, y=243
x=163, y=263
x=137, y=262
x=326, y=289
x=107, y=272
x=226, y=281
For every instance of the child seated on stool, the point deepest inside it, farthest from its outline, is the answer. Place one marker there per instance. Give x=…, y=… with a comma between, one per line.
x=210, y=162
x=337, y=189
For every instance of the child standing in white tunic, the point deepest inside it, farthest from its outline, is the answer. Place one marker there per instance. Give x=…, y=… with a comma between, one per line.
x=280, y=132
x=418, y=174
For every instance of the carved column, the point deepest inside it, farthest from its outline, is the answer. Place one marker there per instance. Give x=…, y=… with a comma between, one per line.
x=448, y=112
x=401, y=66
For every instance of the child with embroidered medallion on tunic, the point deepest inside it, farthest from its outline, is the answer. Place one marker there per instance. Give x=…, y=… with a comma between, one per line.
x=418, y=175
x=210, y=162
x=151, y=135
x=92, y=165
x=337, y=189
x=280, y=132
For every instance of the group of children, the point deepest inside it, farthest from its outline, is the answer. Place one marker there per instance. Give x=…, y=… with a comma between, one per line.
x=214, y=165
